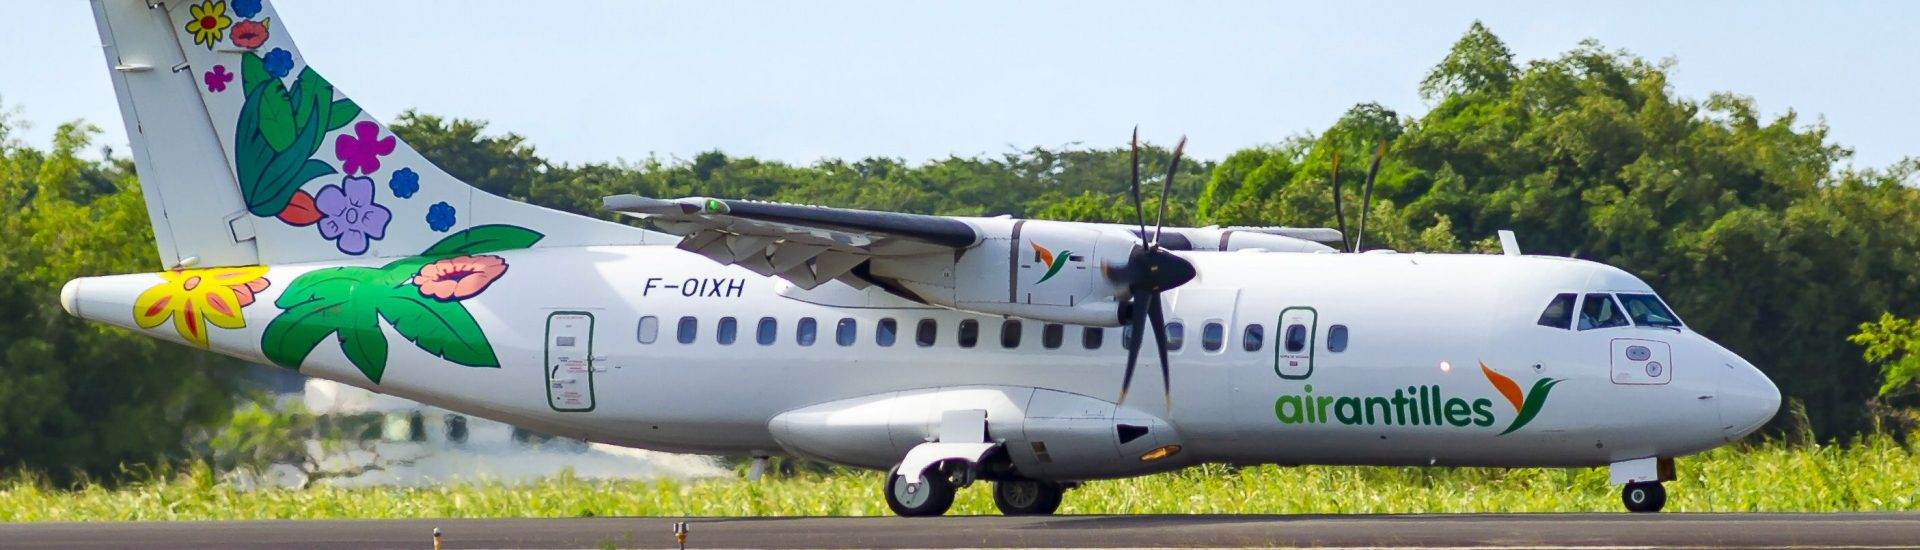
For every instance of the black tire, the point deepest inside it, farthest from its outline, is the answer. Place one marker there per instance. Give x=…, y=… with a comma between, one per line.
x=931, y=497
x=1644, y=497
x=1022, y=497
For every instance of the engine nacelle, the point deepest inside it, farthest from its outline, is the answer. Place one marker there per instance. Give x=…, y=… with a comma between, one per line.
x=1041, y=270
x=1046, y=434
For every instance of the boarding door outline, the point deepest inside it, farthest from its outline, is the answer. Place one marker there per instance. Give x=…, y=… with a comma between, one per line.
x=569, y=361
x=1295, y=364
x=1203, y=393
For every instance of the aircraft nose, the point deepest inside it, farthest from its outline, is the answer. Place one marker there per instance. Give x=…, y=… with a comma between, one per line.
x=1747, y=399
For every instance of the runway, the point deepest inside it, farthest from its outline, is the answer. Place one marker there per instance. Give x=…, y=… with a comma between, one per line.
x=1518, y=530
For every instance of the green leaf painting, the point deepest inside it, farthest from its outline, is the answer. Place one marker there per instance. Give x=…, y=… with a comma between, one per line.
x=350, y=302
x=279, y=131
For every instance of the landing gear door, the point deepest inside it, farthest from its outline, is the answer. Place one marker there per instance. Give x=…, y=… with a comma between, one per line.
x=570, y=361
x=1293, y=348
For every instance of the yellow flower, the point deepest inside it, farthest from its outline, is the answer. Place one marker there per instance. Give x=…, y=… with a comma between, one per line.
x=195, y=297
x=209, y=22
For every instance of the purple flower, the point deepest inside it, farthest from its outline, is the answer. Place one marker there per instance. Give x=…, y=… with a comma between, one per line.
x=349, y=216
x=360, y=153
x=218, y=78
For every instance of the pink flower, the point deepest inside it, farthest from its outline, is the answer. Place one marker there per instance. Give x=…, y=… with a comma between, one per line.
x=217, y=78
x=249, y=34
x=459, y=278
x=360, y=153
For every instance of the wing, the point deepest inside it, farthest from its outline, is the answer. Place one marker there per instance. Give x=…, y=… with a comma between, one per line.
x=807, y=245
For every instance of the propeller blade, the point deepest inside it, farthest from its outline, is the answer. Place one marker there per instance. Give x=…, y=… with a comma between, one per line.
x=1139, y=209
x=1159, y=320
x=1136, y=332
x=1339, y=212
x=1165, y=187
x=1366, y=199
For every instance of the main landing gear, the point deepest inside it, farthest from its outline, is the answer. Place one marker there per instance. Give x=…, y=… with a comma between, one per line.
x=933, y=494
x=1025, y=497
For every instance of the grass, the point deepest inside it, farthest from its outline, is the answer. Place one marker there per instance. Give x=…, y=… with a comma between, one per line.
x=1875, y=474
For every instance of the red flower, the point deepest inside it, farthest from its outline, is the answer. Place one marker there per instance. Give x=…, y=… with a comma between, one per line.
x=459, y=278
x=249, y=34
x=300, y=212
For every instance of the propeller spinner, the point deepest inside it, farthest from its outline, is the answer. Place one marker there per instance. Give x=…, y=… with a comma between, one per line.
x=1149, y=271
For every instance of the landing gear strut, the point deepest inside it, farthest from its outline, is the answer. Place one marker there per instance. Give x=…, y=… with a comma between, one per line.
x=932, y=496
x=1022, y=497
x=1646, y=496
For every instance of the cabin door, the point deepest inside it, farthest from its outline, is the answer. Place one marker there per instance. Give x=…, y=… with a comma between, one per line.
x=1202, y=370
x=570, y=361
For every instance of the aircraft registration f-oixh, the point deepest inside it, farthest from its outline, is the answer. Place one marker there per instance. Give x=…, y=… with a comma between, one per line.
x=298, y=231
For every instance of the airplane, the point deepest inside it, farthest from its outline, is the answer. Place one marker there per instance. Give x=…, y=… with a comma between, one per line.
x=297, y=230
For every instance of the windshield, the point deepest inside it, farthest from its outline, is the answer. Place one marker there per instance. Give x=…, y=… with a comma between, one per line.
x=1647, y=311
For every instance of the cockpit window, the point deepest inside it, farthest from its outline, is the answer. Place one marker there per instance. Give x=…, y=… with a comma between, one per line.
x=1559, y=313
x=1599, y=311
x=1647, y=311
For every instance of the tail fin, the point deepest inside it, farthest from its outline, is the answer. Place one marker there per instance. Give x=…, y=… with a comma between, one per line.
x=248, y=156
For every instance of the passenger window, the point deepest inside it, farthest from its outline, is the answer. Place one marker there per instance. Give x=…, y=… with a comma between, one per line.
x=1176, y=335
x=767, y=332
x=649, y=329
x=1296, y=338
x=846, y=332
x=1213, y=335
x=1092, y=337
x=1599, y=311
x=1647, y=311
x=1254, y=337
x=1559, y=313
x=1010, y=334
x=885, y=331
x=729, y=328
x=1337, y=338
x=969, y=333
x=689, y=329
x=806, y=331
x=927, y=333
x=1052, y=334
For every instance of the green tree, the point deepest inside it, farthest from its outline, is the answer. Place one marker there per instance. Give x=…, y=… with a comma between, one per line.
x=79, y=398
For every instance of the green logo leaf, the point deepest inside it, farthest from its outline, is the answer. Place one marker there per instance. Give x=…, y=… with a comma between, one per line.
x=484, y=239
x=1536, y=398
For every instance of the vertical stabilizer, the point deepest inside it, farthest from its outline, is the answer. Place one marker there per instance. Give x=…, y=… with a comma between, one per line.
x=248, y=156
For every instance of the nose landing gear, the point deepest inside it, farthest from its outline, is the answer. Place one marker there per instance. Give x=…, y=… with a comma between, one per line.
x=1647, y=496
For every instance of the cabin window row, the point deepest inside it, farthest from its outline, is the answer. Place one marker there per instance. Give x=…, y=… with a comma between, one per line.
x=926, y=334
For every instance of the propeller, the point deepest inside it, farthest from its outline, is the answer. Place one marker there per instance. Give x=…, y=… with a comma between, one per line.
x=1339, y=212
x=1366, y=198
x=1149, y=271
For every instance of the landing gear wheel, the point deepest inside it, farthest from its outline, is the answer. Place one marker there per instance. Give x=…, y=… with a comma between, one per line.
x=932, y=496
x=1644, y=496
x=1021, y=497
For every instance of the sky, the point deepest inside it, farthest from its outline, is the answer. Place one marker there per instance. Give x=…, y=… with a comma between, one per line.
x=592, y=81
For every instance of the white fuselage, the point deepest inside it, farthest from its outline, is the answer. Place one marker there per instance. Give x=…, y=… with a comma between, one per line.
x=1417, y=324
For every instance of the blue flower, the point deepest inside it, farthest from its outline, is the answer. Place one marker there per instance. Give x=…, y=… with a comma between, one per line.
x=404, y=183
x=279, y=62
x=440, y=216
x=246, y=8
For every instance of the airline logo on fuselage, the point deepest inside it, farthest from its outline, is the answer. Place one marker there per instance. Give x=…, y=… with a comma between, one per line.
x=1046, y=257
x=1419, y=405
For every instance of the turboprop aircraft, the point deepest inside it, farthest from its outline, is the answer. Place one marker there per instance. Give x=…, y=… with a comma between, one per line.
x=297, y=230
